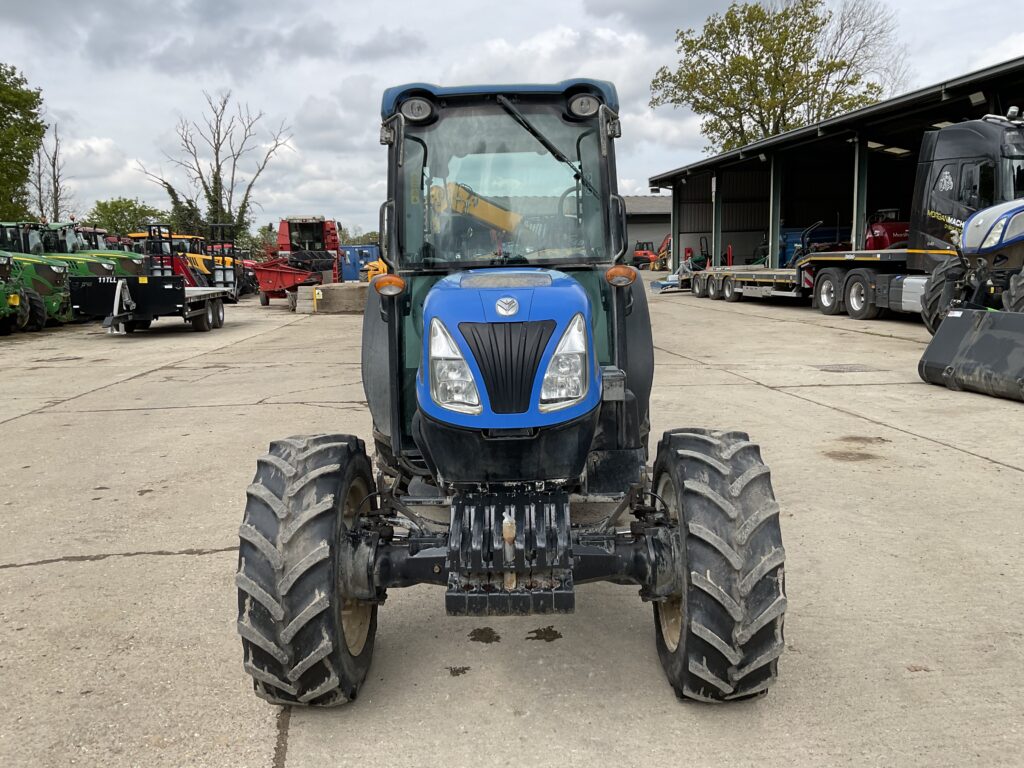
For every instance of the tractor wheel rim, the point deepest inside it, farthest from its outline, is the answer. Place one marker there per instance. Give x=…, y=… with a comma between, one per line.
x=857, y=297
x=355, y=614
x=827, y=293
x=670, y=611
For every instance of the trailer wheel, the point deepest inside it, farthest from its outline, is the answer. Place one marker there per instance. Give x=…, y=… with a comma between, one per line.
x=218, y=313
x=939, y=292
x=1013, y=296
x=828, y=292
x=204, y=322
x=699, y=286
x=264, y=299
x=131, y=326
x=720, y=638
x=37, y=317
x=729, y=292
x=714, y=288
x=860, y=304
x=303, y=640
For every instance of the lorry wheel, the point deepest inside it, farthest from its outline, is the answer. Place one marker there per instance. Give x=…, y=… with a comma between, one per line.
x=729, y=292
x=303, y=640
x=204, y=322
x=860, y=305
x=1013, y=296
x=828, y=293
x=218, y=313
x=699, y=286
x=720, y=638
x=264, y=299
x=939, y=292
x=36, y=311
x=714, y=288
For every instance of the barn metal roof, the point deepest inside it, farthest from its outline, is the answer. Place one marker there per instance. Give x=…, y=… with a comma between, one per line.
x=1007, y=74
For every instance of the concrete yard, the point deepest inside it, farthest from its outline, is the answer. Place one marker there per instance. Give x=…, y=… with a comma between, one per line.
x=122, y=483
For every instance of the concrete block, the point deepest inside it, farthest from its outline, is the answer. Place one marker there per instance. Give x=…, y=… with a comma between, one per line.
x=340, y=298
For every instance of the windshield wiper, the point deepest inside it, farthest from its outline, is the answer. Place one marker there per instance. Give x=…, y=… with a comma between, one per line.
x=534, y=131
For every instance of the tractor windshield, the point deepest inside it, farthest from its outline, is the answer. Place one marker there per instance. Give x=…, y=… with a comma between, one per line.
x=479, y=188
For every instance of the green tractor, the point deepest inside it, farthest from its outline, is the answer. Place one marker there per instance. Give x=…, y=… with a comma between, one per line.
x=43, y=282
x=12, y=310
x=507, y=362
x=93, y=243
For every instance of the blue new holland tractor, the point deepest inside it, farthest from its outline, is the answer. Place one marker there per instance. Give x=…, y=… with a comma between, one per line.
x=507, y=361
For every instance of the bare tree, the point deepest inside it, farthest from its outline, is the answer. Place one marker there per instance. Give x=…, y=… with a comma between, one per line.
x=861, y=41
x=214, y=155
x=48, y=182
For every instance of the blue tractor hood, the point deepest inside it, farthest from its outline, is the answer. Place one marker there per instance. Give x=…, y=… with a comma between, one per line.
x=994, y=229
x=526, y=312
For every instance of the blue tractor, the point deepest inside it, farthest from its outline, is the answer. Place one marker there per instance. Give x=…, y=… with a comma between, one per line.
x=507, y=361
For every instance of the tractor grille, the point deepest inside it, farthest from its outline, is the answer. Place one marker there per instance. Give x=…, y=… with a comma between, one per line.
x=45, y=279
x=508, y=355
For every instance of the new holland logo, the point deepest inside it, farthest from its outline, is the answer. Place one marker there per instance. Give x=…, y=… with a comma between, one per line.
x=507, y=306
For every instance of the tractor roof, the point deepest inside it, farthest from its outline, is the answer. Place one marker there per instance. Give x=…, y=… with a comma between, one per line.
x=394, y=96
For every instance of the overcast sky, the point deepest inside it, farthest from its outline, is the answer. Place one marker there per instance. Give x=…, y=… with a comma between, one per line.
x=118, y=74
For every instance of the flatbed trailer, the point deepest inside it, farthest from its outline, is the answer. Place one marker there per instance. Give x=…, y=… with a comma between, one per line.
x=129, y=304
x=859, y=283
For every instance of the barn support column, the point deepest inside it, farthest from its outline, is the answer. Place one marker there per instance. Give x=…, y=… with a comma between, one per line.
x=860, y=193
x=774, y=211
x=716, y=219
x=673, y=247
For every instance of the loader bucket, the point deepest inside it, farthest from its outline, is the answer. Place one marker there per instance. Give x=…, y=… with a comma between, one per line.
x=977, y=351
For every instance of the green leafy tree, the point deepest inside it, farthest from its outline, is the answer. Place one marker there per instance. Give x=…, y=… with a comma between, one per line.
x=757, y=71
x=122, y=215
x=259, y=244
x=21, y=134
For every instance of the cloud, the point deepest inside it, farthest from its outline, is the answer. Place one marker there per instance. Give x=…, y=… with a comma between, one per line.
x=93, y=157
x=656, y=19
x=387, y=44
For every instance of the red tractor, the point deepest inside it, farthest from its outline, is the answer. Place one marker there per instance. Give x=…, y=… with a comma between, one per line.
x=308, y=242
x=885, y=230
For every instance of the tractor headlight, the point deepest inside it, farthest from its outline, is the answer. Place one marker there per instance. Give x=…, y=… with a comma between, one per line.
x=451, y=381
x=109, y=267
x=136, y=261
x=58, y=270
x=565, y=380
x=995, y=234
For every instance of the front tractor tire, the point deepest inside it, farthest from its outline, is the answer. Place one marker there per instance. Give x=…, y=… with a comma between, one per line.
x=304, y=642
x=939, y=292
x=720, y=638
x=1013, y=296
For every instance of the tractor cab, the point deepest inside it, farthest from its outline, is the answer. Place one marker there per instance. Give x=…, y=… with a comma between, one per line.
x=502, y=224
x=171, y=254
